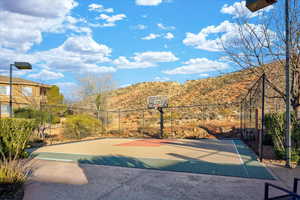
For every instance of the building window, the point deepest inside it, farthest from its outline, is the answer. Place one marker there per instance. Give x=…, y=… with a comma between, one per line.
x=4, y=109
x=4, y=90
x=27, y=91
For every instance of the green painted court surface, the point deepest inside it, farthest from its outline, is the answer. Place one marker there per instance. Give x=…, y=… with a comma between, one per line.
x=207, y=156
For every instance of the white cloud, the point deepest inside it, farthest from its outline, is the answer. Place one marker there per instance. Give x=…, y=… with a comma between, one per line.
x=23, y=21
x=46, y=75
x=92, y=68
x=198, y=66
x=69, y=89
x=239, y=9
x=145, y=60
x=169, y=36
x=161, y=79
x=100, y=8
x=204, y=75
x=16, y=73
x=212, y=38
x=110, y=21
x=8, y=56
x=201, y=41
x=125, y=85
x=140, y=27
x=148, y=2
x=155, y=57
x=123, y=63
x=163, y=27
x=151, y=36
x=45, y=8
x=77, y=54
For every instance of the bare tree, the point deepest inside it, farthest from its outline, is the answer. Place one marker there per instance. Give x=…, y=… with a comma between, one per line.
x=94, y=90
x=259, y=46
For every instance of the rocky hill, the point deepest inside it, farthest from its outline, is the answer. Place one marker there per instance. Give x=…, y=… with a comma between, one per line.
x=226, y=88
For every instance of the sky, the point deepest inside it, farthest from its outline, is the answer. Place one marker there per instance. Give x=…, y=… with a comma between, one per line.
x=134, y=40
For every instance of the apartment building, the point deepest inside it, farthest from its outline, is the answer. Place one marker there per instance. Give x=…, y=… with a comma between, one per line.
x=24, y=92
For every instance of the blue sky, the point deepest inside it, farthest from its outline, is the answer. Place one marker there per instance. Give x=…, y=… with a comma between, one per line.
x=135, y=40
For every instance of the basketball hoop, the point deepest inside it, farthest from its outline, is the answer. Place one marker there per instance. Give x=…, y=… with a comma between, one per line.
x=156, y=102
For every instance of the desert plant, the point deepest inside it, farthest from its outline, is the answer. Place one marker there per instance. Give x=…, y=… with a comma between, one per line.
x=13, y=171
x=80, y=126
x=13, y=174
x=275, y=125
x=14, y=136
x=43, y=118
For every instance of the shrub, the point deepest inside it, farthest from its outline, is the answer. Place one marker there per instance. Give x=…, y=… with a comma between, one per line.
x=14, y=136
x=80, y=126
x=42, y=118
x=275, y=125
x=13, y=174
x=39, y=115
x=13, y=171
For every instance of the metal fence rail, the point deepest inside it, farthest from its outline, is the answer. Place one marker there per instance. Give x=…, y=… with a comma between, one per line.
x=289, y=194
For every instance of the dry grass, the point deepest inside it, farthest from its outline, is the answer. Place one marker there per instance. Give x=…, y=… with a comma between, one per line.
x=14, y=171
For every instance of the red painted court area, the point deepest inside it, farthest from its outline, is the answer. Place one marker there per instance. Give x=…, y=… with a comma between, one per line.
x=145, y=143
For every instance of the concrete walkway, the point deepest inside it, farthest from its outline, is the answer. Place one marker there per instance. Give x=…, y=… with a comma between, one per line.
x=54, y=180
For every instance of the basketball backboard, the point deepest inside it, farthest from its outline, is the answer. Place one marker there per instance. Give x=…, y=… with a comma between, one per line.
x=157, y=102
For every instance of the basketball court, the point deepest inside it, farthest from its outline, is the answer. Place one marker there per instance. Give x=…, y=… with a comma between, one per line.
x=206, y=156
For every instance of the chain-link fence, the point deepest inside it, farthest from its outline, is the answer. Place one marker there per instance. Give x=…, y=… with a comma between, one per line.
x=63, y=123
x=261, y=104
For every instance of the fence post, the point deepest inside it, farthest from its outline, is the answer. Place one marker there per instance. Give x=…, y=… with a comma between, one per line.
x=106, y=122
x=161, y=122
x=102, y=120
x=261, y=135
x=143, y=122
x=119, y=121
x=171, y=122
x=250, y=112
x=241, y=120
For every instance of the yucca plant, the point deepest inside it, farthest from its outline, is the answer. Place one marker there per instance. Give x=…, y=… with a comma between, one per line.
x=13, y=174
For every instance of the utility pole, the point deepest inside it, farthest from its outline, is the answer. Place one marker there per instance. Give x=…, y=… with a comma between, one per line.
x=288, y=84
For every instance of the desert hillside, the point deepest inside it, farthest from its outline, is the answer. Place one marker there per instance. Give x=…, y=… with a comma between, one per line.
x=222, y=89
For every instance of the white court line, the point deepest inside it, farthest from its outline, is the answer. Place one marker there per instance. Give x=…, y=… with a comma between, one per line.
x=54, y=159
x=237, y=151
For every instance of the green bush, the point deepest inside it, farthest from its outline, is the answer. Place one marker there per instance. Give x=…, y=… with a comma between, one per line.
x=80, y=126
x=39, y=115
x=14, y=136
x=275, y=125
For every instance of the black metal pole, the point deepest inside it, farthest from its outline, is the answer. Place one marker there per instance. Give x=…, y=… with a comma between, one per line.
x=171, y=122
x=119, y=121
x=241, y=120
x=288, y=85
x=10, y=92
x=106, y=122
x=161, y=122
x=262, y=132
x=143, y=129
x=266, y=191
x=295, y=188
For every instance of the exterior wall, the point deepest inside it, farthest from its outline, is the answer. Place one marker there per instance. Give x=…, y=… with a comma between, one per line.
x=21, y=100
